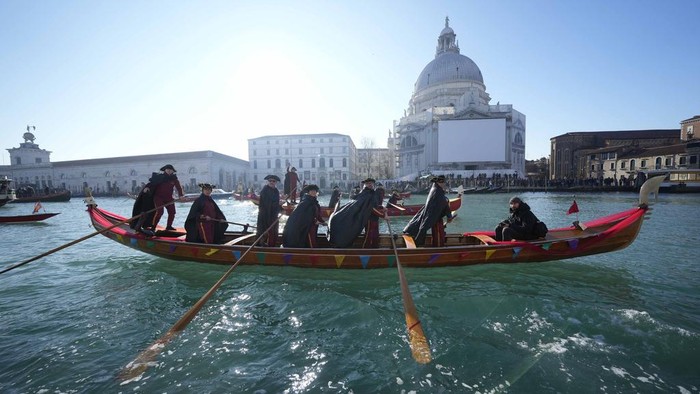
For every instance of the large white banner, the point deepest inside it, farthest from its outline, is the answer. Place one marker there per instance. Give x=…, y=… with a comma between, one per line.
x=472, y=140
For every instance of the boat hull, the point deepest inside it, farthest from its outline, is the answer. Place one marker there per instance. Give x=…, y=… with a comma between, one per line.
x=37, y=217
x=603, y=235
x=55, y=197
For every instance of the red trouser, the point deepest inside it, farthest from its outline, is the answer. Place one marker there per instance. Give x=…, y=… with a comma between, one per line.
x=438, y=233
x=159, y=213
x=371, y=234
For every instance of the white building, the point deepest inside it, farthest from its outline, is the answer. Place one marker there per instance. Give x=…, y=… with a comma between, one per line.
x=450, y=126
x=322, y=159
x=31, y=166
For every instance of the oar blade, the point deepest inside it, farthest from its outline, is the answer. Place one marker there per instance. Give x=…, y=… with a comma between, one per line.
x=420, y=349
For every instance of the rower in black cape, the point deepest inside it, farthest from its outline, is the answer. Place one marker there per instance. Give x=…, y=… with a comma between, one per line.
x=302, y=225
x=205, y=223
x=429, y=217
x=268, y=211
x=346, y=223
x=335, y=197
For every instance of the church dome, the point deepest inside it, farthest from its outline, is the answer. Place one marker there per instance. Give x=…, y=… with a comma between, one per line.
x=448, y=67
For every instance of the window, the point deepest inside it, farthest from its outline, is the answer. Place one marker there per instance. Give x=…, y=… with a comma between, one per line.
x=300, y=150
x=301, y=162
x=657, y=163
x=321, y=148
x=37, y=160
x=345, y=162
x=268, y=142
x=19, y=161
x=693, y=159
x=268, y=152
x=330, y=162
x=321, y=140
x=644, y=163
x=683, y=160
x=612, y=165
x=632, y=165
x=623, y=165
x=278, y=163
x=255, y=152
x=592, y=167
x=667, y=163
x=322, y=162
x=255, y=164
x=269, y=163
x=592, y=157
x=313, y=140
x=313, y=163
x=286, y=151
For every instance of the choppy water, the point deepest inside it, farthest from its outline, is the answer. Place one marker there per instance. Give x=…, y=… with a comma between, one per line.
x=627, y=321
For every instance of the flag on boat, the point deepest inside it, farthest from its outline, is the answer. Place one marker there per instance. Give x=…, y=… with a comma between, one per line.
x=37, y=207
x=573, y=208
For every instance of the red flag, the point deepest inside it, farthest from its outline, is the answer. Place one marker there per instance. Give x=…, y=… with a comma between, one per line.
x=573, y=208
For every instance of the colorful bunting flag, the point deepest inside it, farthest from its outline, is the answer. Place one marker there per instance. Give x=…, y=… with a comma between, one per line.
x=339, y=260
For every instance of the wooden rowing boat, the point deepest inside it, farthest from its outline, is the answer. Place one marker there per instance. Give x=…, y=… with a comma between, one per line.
x=601, y=235
x=35, y=217
x=61, y=196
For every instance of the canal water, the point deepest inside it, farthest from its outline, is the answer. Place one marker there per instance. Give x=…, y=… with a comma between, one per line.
x=627, y=321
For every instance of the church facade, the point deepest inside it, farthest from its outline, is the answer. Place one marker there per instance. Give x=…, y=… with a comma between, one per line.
x=450, y=125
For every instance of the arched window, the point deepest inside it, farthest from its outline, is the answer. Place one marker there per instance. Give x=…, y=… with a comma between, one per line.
x=330, y=162
x=518, y=139
x=322, y=162
x=278, y=163
x=345, y=162
x=192, y=170
x=301, y=162
x=633, y=164
x=657, y=165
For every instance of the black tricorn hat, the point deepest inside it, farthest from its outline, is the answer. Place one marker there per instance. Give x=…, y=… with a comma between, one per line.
x=168, y=166
x=275, y=177
x=369, y=180
x=294, y=168
x=438, y=179
x=335, y=187
x=309, y=188
x=206, y=185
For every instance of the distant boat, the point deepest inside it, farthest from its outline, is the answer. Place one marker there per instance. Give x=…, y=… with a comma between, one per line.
x=216, y=194
x=678, y=180
x=7, y=194
x=61, y=196
x=35, y=217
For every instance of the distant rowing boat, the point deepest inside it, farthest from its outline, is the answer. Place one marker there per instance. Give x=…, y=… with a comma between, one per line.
x=36, y=217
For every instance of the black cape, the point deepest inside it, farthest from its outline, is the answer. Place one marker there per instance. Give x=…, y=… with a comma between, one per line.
x=347, y=223
x=268, y=208
x=522, y=221
x=435, y=208
x=299, y=222
x=335, y=197
x=196, y=210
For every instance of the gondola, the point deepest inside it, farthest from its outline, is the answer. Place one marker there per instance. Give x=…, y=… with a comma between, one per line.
x=606, y=234
x=61, y=196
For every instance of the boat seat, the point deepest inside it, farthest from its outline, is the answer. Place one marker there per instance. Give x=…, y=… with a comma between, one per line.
x=239, y=239
x=485, y=239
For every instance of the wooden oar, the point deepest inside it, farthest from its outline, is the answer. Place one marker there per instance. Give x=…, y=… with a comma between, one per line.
x=143, y=360
x=419, y=343
x=396, y=206
x=234, y=223
x=54, y=250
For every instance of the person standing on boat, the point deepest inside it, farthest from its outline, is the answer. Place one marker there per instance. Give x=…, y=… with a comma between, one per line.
x=302, y=225
x=437, y=206
x=360, y=214
x=268, y=211
x=355, y=193
x=291, y=182
x=520, y=225
x=335, y=197
x=205, y=223
x=161, y=187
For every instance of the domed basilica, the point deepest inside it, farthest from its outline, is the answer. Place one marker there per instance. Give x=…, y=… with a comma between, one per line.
x=450, y=126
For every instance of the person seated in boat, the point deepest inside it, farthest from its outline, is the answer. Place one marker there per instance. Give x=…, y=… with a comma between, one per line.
x=268, y=211
x=520, y=225
x=429, y=217
x=395, y=199
x=302, y=225
x=335, y=197
x=160, y=187
x=205, y=222
x=360, y=214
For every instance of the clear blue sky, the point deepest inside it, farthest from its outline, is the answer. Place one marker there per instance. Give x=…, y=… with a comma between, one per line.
x=120, y=78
